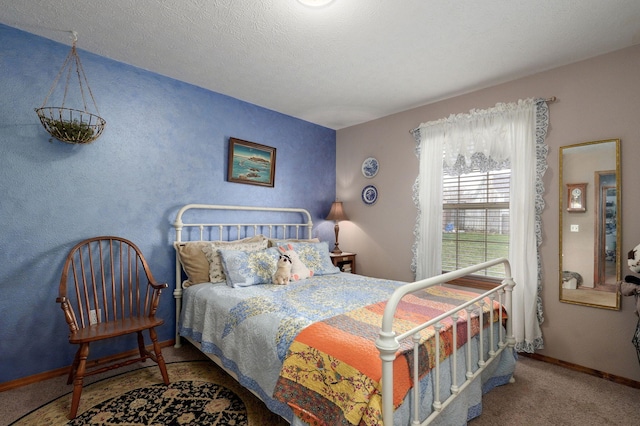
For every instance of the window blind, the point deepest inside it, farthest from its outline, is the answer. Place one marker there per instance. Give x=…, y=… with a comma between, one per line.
x=475, y=219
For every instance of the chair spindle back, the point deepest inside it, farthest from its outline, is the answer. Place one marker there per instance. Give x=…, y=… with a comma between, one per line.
x=107, y=279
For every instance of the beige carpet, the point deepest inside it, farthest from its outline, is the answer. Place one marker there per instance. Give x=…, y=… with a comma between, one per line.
x=18, y=403
x=549, y=395
x=224, y=403
x=543, y=394
x=217, y=399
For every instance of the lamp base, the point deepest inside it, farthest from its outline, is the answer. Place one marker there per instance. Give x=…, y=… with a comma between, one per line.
x=336, y=249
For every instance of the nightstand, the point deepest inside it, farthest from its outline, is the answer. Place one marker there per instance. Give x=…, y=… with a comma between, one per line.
x=345, y=261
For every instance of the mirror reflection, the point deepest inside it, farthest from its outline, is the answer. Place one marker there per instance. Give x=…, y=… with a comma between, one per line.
x=590, y=223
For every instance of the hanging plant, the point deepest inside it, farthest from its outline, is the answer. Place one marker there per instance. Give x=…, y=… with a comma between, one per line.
x=72, y=125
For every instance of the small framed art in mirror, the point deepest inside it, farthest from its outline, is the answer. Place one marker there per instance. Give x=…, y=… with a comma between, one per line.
x=576, y=197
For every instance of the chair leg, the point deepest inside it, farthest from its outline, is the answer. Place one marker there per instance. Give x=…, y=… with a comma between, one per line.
x=74, y=366
x=159, y=357
x=141, y=348
x=82, y=355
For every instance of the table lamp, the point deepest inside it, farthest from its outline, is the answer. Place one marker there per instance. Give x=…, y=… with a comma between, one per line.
x=337, y=214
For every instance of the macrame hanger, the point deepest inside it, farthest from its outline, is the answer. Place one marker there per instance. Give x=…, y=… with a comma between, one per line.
x=73, y=56
x=70, y=124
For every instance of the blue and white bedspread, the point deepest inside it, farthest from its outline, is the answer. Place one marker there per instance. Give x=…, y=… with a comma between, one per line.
x=251, y=328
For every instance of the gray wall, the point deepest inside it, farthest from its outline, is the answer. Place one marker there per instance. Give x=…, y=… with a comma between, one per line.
x=597, y=99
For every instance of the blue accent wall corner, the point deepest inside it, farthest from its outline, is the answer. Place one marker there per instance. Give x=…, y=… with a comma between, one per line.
x=165, y=145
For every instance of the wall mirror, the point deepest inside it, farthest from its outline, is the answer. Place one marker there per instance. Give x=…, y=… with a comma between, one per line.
x=590, y=225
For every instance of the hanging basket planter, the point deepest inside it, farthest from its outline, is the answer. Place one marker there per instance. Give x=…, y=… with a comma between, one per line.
x=72, y=125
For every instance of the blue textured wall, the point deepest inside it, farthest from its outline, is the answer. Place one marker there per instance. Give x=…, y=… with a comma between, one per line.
x=165, y=145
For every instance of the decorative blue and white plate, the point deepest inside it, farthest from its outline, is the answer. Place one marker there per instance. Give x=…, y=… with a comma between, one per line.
x=370, y=167
x=369, y=194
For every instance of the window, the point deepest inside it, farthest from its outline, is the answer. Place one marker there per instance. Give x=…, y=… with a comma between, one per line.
x=475, y=220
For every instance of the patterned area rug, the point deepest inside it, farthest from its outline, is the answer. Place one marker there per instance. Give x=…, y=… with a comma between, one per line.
x=199, y=394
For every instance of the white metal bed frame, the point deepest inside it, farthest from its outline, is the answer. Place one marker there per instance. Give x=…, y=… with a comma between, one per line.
x=388, y=341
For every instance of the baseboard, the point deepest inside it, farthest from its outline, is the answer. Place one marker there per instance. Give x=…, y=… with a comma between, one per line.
x=65, y=370
x=590, y=371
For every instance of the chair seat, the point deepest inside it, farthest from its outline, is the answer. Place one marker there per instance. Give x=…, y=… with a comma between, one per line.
x=115, y=328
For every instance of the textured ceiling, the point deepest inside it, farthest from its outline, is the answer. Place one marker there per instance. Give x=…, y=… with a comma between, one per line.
x=343, y=64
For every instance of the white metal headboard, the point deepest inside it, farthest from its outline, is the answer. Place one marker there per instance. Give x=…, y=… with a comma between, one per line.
x=298, y=225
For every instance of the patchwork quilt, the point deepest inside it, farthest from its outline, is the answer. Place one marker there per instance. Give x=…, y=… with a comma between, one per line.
x=332, y=370
x=251, y=328
x=263, y=330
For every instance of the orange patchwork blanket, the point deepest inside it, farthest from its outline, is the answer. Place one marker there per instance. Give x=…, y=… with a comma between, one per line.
x=332, y=371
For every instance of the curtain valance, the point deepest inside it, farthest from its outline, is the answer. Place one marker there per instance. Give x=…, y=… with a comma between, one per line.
x=486, y=132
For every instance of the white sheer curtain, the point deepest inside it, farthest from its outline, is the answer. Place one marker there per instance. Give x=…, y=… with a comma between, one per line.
x=506, y=134
x=429, y=223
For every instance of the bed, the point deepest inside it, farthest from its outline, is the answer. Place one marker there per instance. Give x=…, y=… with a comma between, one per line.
x=334, y=347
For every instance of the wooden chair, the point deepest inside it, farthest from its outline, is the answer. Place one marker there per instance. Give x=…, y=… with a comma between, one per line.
x=106, y=291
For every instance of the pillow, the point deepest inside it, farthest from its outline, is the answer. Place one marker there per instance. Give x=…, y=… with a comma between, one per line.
x=316, y=257
x=299, y=270
x=216, y=272
x=246, y=268
x=196, y=264
x=193, y=261
x=275, y=242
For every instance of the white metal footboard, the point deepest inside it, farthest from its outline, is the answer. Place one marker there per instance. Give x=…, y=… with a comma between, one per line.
x=388, y=342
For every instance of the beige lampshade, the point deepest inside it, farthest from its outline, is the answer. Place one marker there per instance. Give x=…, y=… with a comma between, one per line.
x=337, y=212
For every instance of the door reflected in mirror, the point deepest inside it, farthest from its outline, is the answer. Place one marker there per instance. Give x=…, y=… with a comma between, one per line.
x=590, y=224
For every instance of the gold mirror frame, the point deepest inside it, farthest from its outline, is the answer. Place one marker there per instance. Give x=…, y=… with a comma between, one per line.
x=590, y=223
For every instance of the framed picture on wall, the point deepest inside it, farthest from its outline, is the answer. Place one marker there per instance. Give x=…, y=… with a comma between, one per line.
x=251, y=163
x=576, y=197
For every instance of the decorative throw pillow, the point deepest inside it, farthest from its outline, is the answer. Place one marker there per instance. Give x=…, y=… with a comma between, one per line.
x=299, y=270
x=216, y=271
x=316, y=257
x=193, y=261
x=275, y=242
x=245, y=268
